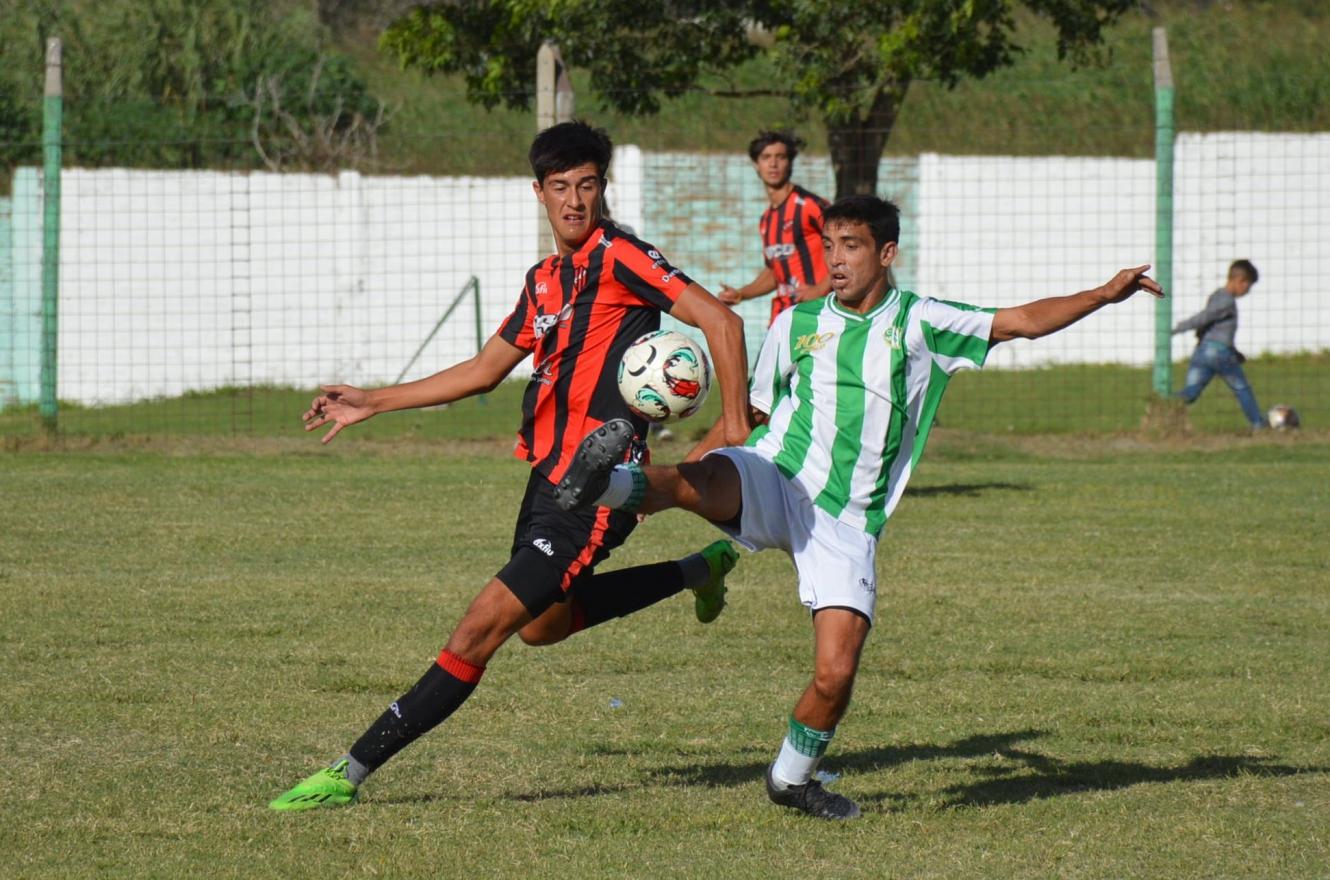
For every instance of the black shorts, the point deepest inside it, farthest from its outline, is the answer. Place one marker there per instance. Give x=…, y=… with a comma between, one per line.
x=553, y=548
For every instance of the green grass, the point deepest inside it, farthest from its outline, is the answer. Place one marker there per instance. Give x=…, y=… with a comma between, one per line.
x=1088, y=663
x=1067, y=399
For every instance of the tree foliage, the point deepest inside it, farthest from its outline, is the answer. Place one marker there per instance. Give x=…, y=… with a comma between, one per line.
x=849, y=63
x=185, y=83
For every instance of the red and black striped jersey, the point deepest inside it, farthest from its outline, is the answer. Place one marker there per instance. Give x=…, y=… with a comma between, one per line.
x=792, y=245
x=578, y=314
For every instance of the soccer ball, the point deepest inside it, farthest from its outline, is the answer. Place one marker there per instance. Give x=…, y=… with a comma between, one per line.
x=664, y=376
x=1283, y=418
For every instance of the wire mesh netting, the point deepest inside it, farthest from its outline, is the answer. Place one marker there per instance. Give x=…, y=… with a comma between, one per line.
x=209, y=301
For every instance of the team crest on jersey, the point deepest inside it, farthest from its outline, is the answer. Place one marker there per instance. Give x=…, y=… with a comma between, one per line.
x=892, y=336
x=579, y=279
x=811, y=342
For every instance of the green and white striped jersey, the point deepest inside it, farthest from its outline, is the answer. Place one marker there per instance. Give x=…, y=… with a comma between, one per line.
x=851, y=397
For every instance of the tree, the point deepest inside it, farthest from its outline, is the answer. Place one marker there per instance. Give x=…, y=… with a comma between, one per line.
x=186, y=83
x=851, y=63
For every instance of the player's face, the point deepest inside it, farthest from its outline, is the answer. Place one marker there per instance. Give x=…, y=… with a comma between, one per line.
x=774, y=164
x=572, y=202
x=1239, y=284
x=857, y=265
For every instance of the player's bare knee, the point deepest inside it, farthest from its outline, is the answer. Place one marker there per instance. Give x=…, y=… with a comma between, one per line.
x=833, y=683
x=543, y=632
x=540, y=637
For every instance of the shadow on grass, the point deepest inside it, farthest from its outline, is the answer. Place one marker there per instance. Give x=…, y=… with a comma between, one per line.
x=1022, y=775
x=862, y=761
x=967, y=490
x=1052, y=778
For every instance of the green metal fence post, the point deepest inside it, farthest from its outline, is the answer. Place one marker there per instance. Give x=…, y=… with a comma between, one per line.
x=52, y=110
x=480, y=327
x=1163, y=268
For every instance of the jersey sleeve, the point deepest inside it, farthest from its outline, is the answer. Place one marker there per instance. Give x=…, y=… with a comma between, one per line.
x=771, y=372
x=646, y=273
x=813, y=208
x=517, y=329
x=956, y=335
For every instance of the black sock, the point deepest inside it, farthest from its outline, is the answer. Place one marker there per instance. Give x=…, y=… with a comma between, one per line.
x=440, y=691
x=603, y=597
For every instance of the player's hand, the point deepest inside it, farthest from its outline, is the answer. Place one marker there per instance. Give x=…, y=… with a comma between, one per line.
x=804, y=294
x=735, y=433
x=729, y=295
x=1128, y=281
x=340, y=404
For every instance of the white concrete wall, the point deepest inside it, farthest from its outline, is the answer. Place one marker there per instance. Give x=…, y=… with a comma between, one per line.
x=178, y=281
x=1001, y=230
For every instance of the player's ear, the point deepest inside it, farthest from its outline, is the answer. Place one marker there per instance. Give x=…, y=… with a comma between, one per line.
x=538, y=190
x=888, y=254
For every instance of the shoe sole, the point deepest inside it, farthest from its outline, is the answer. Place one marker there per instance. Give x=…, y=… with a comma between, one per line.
x=602, y=449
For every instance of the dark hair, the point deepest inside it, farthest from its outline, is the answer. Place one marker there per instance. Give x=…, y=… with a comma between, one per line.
x=1246, y=268
x=793, y=143
x=567, y=145
x=881, y=217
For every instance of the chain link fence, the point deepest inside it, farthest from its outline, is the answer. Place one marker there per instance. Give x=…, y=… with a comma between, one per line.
x=204, y=301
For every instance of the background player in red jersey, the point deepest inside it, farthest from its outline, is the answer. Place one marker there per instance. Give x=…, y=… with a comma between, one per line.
x=791, y=230
x=578, y=312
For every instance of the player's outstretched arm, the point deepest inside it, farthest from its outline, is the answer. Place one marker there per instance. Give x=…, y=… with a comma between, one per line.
x=764, y=283
x=724, y=332
x=1215, y=310
x=1045, y=316
x=345, y=405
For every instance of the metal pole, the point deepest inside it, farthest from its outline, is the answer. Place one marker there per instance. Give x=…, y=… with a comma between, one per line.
x=480, y=327
x=52, y=111
x=1163, y=268
x=547, y=65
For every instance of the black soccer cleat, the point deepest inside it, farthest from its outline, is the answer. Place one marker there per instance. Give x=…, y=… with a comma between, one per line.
x=588, y=474
x=813, y=799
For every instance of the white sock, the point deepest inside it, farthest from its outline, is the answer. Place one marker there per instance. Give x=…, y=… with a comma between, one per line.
x=792, y=766
x=627, y=484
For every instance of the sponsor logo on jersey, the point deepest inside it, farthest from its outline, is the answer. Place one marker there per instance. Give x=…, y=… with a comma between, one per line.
x=544, y=546
x=892, y=337
x=542, y=288
x=668, y=276
x=392, y=707
x=542, y=324
x=811, y=342
x=867, y=586
x=776, y=251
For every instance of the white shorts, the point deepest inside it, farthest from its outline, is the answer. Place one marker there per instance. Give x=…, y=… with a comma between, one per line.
x=834, y=561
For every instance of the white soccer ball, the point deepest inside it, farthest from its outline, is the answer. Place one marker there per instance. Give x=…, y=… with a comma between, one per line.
x=1283, y=418
x=664, y=376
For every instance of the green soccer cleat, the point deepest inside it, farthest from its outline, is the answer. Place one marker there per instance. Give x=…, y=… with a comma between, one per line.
x=709, y=599
x=327, y=788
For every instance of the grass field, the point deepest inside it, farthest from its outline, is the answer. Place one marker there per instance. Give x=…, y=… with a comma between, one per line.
x=1065, y=399
x=1093, y=659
